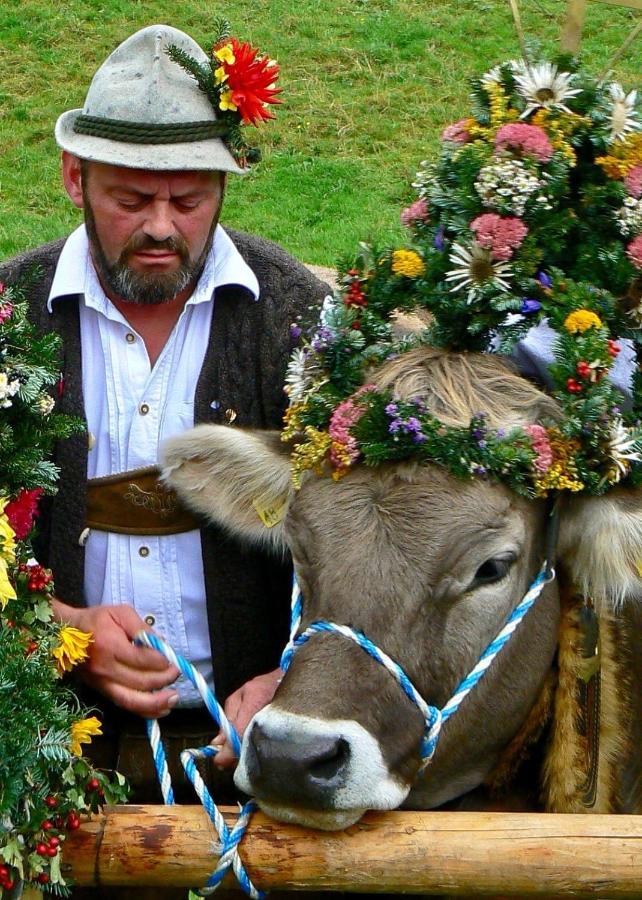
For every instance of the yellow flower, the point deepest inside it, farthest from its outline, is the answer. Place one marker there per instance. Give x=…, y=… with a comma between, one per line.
x=624, y=156
x=220, y=75
x=408, y=263
x=500, y=112
x=226, y=102
x=310, y=454
x=7, y=535
x=82, y=732
x=7, y=591
x=581, y=320
x=225, y=54
x=72, y=648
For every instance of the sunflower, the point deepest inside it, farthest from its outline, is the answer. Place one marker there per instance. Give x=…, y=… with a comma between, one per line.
x=82, y=732
x=72, y=648
x=475, y=269
x=543, y=87
x=623, y=113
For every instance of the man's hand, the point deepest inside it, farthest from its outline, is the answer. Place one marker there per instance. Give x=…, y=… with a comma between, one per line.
x=241, y=706
x=134, y=678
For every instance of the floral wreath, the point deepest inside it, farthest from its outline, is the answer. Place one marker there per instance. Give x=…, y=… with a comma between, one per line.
x=45, y=784
x=532, y=213
x=238, y=82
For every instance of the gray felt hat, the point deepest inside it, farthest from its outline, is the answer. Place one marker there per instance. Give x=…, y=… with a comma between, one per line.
x=144, y=111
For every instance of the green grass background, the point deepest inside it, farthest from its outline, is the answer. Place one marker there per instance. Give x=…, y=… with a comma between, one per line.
x=367, y=84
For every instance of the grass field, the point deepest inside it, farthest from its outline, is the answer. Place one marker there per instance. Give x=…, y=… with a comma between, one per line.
x=368, y=85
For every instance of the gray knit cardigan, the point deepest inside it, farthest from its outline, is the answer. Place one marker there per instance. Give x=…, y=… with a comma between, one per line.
x=244, y=368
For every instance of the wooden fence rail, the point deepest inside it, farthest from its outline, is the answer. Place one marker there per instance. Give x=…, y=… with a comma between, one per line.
x=518, y=855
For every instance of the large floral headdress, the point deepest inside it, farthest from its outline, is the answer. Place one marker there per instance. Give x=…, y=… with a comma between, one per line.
x=239, y=82
x=531, y=215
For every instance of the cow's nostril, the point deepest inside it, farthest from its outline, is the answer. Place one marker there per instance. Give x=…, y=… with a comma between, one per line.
x=327, y=765
x=307, y=768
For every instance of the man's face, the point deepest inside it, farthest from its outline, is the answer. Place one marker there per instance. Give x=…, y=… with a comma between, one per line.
x=149, y=232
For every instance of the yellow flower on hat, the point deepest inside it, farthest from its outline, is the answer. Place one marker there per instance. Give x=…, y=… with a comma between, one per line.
x=220, y=75
x=581, y=320
x=7, y=591
x=226, y=102
x=225, y=54
x=72, y=648
x=82, y=732
x=408, y=263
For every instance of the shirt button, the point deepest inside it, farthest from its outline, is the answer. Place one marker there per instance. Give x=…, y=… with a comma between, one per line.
x=144, y=409
x=143, y=551
x=130, y=338
x=150, y=620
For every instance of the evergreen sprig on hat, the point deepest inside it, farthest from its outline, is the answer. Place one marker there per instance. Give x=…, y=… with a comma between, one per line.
x=45, y=784
x=531, y=212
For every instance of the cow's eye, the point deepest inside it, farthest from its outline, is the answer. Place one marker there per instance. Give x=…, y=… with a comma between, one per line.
x=492, y=570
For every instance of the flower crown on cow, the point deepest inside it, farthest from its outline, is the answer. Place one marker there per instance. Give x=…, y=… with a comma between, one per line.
x=238, y=82
x=532, y=213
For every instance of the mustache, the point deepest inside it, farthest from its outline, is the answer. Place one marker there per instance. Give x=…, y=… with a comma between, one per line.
x=141, y=242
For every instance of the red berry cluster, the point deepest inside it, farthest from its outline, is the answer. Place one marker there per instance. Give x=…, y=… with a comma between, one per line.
x=574, y=386
x=613, y=347
x=7, y=877
x=355, y=296
x=38, y=579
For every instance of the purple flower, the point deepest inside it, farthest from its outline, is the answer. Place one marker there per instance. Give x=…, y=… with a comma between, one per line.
x=413, y=425
x=544, y=279
x=392, y=409
x=295, y=331
x=439, y=238
x=482, y=445
x=500, y=433
x=323, y=338
x=394, y=426
x=478, y=433
x=479, y=470
x=419, y=437
x=529, y=305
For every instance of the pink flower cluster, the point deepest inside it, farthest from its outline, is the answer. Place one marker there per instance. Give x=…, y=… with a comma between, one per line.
x=634, y=251
x=541, y=446
x=416, y=212
x=6, y=309
x=343, y=418
x=633, y=182
x=457, y=133
x=499, y=234
x=529, y=139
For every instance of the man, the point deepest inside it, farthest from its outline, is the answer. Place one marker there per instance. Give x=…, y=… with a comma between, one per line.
x=166, y=320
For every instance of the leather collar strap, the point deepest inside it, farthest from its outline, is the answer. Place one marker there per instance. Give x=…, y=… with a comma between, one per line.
x=136, y=502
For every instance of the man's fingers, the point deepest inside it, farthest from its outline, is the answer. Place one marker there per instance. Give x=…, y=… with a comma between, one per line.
x=150, y=705
x=141, y=657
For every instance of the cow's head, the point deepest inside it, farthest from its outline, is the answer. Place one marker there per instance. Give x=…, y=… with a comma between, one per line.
x=428, y=567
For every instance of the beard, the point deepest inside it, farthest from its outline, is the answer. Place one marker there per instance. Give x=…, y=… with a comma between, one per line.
x=145, y=288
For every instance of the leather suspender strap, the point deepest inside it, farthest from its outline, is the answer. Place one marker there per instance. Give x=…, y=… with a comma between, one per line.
x=136, y=502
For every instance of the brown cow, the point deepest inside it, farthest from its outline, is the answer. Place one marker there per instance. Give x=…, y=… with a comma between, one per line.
x=429, y=568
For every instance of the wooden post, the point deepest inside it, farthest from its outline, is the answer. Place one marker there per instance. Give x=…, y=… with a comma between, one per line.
x=575, y=15
x=518, y=855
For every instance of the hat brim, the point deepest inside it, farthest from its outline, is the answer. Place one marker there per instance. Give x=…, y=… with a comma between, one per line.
x=210, y=155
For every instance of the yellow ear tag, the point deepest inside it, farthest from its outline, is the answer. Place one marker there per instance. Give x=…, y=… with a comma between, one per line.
x=273, y=514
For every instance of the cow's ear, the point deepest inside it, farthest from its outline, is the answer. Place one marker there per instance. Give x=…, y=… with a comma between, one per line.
x=601, y=546
x=238, y=479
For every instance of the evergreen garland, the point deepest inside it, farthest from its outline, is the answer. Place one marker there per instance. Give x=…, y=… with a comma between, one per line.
x=45, y=784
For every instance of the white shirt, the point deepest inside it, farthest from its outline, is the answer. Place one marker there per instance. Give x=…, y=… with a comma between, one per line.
x=131, y=408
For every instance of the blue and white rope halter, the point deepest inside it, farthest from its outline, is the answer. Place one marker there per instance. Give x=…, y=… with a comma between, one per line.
x=229, y=839
x=433, y=717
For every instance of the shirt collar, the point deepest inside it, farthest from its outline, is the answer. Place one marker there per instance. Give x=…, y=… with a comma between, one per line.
x=75, y=273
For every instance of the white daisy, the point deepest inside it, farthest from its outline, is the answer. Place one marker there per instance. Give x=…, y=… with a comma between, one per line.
x=623, y=113
x=475, y=269
x=543, y=86
x=625, y=446
x=493, y=76
x=296, y=378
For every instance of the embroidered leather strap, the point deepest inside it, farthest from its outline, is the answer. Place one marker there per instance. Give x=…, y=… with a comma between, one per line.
x=136, y=502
